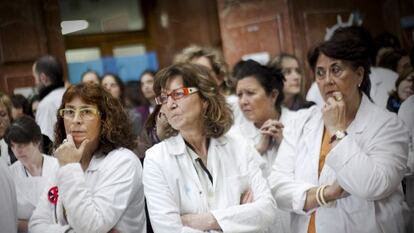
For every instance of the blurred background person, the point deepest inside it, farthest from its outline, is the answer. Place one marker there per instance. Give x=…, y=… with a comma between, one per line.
x=99, y=179
x=114, y=85
x=215, y=62
x=147, y=89
x=395, y=60
x=289, y=66
x=260, y=91
x=403, y=90
x=90, y=76
x=20, y=106
x=195, y=181
x=6, y=155
x=33, y=103
x=32, y=170
x=48, y=75
x=328, y=173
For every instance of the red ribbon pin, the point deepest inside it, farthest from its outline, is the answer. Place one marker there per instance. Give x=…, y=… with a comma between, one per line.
x=53, y=195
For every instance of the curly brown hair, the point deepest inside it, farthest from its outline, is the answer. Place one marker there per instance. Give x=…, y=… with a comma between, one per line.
x=218, y=118
x=116, y=126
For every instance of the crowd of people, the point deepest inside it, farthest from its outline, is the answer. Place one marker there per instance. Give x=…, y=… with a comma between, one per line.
x=200, y=147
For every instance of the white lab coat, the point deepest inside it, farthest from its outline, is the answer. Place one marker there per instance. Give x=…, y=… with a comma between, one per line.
x=382, y=83
x=406, y=114
x=109, y=194
x=172, y=186
x=47, y=110
x=281, y=223
x=369, y=163
x=28, y=188
x=4, y=149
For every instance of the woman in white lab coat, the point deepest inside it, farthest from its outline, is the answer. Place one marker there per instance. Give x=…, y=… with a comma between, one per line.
x=32, y=170
x=339, y=168
x=202, y=179
x=260, y=92
x=98, y=185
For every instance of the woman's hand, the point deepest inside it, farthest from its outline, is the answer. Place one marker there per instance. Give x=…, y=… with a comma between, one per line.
x=334, y=114
x=68, y=153
x=274, y=129
x=203, y=222
x=246, y=197
x=334, y=192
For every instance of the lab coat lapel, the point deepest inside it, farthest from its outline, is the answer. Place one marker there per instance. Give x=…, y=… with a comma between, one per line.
x=313, y=133
x=176, y=147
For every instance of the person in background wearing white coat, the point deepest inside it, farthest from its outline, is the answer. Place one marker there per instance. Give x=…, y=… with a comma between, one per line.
x=98, y=185
x=339, y=168
x=260, y=92
x=48, y=74
x=32, y=170
x=202, y=179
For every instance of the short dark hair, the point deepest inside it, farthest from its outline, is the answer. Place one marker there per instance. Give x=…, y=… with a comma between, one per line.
x=91, y=72
x=52, y=68
x=268, y=77
x=23, y=130
x=350, y=44
x=391, y=58
x=385, y=40
x=20, y=102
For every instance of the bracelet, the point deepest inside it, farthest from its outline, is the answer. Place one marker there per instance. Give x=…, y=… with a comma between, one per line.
x=317, y=196
x=322, y=197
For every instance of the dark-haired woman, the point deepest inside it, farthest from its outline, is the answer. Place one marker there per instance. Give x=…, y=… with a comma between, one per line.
x=202, y=179
x=339, y=168
x=32, y=170
x=260, y=92
x=98, y=185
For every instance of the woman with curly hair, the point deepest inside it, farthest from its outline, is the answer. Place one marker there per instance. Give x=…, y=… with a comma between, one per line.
x=202, y=179
x=98, y=185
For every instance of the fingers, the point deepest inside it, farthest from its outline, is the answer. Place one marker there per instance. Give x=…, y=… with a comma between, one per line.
x=247, y=197
x=83, y=145
x=69, y=137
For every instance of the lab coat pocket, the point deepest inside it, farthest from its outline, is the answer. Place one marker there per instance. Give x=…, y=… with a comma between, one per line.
x=236, y=186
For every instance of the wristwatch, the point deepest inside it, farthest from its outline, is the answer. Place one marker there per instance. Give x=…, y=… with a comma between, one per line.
x=339, y=134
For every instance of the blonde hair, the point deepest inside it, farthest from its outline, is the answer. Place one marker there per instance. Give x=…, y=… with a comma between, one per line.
x=216, y=58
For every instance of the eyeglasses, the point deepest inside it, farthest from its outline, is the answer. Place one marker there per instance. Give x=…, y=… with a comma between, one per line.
x=175, y=94
x=84, y=113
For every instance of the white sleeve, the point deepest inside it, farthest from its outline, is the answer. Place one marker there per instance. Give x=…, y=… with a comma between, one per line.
x=163, y=210
x=375, y=172
x=101, y=211
x=251, y=217
x=289, y=193
x=46, y=119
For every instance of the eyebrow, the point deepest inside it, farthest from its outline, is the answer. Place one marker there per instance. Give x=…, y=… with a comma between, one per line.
x=82, y=106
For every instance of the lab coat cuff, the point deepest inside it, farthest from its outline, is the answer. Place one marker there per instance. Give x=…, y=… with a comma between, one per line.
x=299, y=199
x=341, y=153
x=66, y=174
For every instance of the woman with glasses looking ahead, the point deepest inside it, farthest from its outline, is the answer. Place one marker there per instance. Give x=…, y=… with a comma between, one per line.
x=98, y=185
x=339, y=168
x=202, y=179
